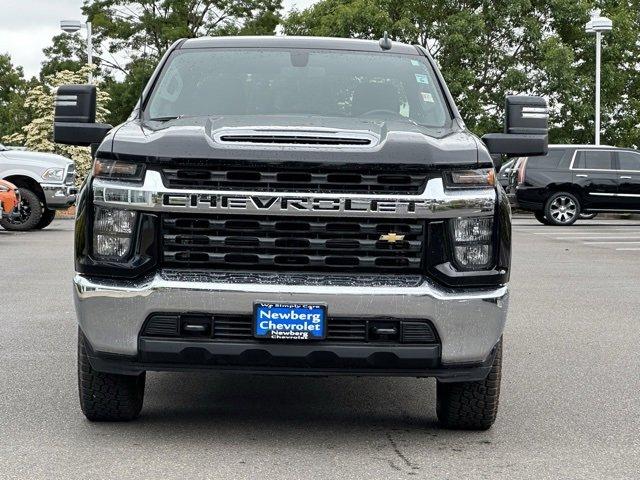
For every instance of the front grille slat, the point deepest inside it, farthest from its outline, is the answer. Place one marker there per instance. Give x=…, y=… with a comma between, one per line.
x=312, y=178
x=292, y=244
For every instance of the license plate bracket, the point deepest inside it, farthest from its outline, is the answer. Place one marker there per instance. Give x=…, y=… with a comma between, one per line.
x=289, y=321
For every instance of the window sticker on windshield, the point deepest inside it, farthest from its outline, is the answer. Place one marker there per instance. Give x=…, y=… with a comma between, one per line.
x=421, y=78
x=416, y=63
x=427, y=97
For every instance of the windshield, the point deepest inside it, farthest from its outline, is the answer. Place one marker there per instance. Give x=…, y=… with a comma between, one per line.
x=204, y=82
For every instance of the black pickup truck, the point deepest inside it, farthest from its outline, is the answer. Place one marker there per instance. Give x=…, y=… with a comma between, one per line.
x=303, y=206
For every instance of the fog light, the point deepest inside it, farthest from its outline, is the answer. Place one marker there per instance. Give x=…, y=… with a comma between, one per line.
x=473, y=229
x=473, y=255
x=472, y=238
x=112, y=232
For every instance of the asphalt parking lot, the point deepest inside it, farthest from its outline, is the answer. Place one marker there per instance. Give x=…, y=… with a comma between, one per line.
x=569, y=407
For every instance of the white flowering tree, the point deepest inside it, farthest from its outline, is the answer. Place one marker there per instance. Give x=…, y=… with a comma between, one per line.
x=38, y=135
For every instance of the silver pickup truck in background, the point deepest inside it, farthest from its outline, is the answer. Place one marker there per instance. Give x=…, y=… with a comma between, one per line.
x=46, y=182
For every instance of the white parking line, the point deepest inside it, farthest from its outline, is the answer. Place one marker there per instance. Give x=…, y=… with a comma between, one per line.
x=597, y=238
x=610, y=243
x=628, y=249
x=585, y=232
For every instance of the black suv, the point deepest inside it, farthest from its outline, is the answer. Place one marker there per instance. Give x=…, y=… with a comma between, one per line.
x=574, y=180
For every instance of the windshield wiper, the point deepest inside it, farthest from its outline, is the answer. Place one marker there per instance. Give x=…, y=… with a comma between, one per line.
x=165, y=119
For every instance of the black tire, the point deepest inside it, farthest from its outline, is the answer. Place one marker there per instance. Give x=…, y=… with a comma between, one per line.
x=471, y=405
x=47, y=217
x=562, y=209
x=106, y=397
x=541, y=218
x=588, y=216
x=30, y=213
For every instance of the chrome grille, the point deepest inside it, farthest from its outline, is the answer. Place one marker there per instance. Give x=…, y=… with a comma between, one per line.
x=292, y=244
x=304, y=179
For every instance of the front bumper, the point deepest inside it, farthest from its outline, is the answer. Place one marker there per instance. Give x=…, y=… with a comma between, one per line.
x=58, y=196
x=468, y=322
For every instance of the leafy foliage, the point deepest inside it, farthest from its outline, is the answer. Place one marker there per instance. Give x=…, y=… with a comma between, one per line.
x=489, y=49
x=66, y=52
x=145, y=29
x=13, y=87
x=37, y=135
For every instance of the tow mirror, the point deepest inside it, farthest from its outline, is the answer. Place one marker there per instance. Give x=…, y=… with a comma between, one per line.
x=75, y=116
x=526, y=128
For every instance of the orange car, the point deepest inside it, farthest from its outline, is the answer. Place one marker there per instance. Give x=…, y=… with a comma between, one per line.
x=9, y=199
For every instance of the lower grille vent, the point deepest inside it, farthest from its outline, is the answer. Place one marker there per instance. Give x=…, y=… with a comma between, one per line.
x=239, y=328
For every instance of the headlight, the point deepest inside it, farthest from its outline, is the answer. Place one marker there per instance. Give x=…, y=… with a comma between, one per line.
x=53, y=174
x=485, y=177
x=472, y=240
x=112, y=232
x=118, y=170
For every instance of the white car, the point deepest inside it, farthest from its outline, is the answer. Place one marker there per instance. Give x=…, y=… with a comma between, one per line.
x=46, y=182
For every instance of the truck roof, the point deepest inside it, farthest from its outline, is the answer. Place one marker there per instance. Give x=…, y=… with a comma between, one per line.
x=324, y=43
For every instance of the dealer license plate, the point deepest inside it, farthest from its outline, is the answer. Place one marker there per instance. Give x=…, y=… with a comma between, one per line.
x=288, y=321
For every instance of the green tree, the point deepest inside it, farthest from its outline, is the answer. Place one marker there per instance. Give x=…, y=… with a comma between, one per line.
x=13, y=87
x=66, y=52
x=487, y=49
x=149, y=27
x=145, y=29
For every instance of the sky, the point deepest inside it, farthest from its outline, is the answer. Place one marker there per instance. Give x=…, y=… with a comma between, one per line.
x=27, y=26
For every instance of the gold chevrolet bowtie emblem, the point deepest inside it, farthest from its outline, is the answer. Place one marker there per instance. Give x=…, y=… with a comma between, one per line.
x=391, y=237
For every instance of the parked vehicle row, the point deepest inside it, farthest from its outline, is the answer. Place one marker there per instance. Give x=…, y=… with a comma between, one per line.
x=46, y=182
x=575, y=181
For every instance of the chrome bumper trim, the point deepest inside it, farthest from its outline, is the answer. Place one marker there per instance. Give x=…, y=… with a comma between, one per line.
x=58, y=195
x=434, y=202
x=111, y=313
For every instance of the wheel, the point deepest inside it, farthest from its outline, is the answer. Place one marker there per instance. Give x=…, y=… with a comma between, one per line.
x=541, y=218
x=107, y=397
x=588, y=216
x=562, y=208
x=30, y=213
x=46, y=219
x=471, y=405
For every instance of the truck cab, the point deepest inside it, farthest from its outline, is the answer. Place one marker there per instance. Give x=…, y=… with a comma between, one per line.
x=290, y=205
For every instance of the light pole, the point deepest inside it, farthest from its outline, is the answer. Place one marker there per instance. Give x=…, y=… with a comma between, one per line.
x=72, y=26
x=598, y=25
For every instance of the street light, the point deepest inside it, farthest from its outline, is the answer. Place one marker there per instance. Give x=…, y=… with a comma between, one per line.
x=72, y=26
x=598, y=25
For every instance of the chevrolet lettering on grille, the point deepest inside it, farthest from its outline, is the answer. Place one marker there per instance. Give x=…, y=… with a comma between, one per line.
x=275, y=204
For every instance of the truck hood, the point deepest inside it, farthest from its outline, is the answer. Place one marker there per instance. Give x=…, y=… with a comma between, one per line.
x=390, y=142
x=26, y=158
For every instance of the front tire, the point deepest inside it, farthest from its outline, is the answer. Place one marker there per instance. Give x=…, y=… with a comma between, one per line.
x=471, y=405
x=29, y=215
x=562, y=209
x=47, y=217
x=107, y=397
x=541, y=218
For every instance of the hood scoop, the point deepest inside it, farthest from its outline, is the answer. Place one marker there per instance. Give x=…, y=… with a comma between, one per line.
x=295, y=137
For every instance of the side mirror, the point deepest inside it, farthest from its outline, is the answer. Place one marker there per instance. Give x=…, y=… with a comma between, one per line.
x=526, y=128
x=75, y=116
